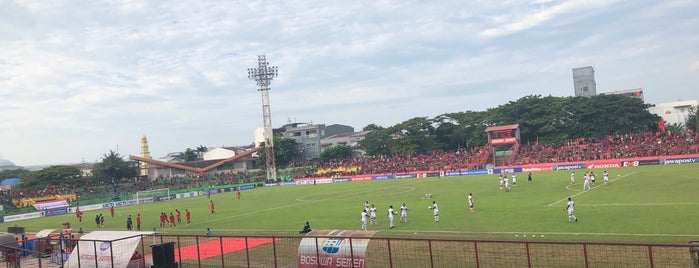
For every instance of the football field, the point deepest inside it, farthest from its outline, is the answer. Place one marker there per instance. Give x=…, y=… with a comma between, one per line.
x=641, y=204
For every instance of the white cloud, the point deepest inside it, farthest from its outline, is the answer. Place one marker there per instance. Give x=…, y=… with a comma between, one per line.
x=177, y=71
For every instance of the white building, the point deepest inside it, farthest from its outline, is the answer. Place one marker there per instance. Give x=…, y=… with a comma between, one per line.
x=584, y=82
x=674, y=112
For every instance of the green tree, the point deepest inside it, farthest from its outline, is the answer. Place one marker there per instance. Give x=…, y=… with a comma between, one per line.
x=54, y=175
x=113, y=168
x=692, y=120
x=13, y=173
x=377, y=142
x=201, y=149
x=339, y=151
x=285, y=151
x=462, y=129
x=190, y=155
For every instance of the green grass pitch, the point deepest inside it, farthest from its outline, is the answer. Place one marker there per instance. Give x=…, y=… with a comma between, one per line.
x=642, y=204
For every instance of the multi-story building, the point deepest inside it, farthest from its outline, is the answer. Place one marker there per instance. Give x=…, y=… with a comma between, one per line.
x=674, y=112
x=634, y=93
x=308, y=136
x=584, y=82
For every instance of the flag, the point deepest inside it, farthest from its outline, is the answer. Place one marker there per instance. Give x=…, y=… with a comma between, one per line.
x=661, y=125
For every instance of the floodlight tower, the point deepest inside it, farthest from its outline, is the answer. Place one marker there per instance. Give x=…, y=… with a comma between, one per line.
x=263, y=75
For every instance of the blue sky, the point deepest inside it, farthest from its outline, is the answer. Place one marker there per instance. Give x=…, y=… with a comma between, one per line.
x=80, y=78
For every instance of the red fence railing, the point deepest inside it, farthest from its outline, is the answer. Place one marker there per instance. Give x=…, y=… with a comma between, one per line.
x=283, y=251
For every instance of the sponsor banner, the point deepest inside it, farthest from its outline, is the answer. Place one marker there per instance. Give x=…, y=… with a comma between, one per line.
x=674, y=161
x=537, y=168
x=247, y=187
x=180, y=195
x=503, y=141
x=341, y=180
x=329, y=251
x=475, y=172
x=383, y=177
x=145, y=200
x=302, y=182
x=405, y=176
x=569, y=167
x=54, y=212
x=91, y=207
x=271, y=184
x=641, y=163
x=453, y=173
x=20, y=217
x=361, y=178
x=210, y=191
x=115, y=204
x=432, y=174
x=163, y=198
x=289, y=183
x=51, y=204
x=105, y=249
x=604, y=164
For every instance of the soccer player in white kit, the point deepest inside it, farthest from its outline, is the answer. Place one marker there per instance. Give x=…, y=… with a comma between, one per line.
x=366, y=206
x=502, y=183
x=572, y=178
x=470, y=202
x=363, y=219
x=570, y=209
x=514, y=179
x=435, y=209
x=507, y=184
x=390, y=216
x=372, y=214
x=606, y=177
x=403, y=213
x=586, y=183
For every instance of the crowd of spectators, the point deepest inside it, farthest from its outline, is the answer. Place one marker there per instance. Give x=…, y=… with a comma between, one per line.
x=612, y=147
x=573, y=150
x=437, y=161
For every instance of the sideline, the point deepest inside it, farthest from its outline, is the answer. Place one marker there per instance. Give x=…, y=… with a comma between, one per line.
x=582, y=192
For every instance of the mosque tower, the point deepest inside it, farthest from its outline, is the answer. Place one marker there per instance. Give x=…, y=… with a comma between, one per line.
x=145, y=154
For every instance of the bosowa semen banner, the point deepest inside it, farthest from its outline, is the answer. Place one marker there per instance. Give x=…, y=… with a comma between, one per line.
x=331, y=248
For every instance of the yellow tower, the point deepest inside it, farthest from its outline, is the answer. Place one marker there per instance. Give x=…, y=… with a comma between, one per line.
x=145, y=154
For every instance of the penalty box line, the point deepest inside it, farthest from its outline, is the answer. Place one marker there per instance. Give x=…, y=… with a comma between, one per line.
x=601, y=184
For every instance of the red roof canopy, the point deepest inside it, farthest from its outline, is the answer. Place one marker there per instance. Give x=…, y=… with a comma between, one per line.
x=505, y=127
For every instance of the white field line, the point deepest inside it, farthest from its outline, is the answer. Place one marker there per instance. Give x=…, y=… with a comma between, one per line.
x=551, y=233
x=242, y=231
x=601, y=184
x=640, y=204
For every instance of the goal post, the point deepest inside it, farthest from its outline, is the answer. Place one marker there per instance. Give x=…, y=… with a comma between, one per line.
x=150, y=196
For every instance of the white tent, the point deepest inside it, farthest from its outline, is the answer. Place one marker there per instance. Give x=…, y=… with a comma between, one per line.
x=105, y=248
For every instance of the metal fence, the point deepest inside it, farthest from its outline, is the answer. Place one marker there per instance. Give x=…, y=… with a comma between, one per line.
x=283, y=251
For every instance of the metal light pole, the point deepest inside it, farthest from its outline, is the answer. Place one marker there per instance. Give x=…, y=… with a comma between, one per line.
x=263, y=75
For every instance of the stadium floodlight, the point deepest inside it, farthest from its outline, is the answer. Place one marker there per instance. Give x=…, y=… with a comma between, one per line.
x=263, y=75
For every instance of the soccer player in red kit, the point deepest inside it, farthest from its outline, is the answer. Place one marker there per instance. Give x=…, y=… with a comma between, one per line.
x=172, y=220
x=211, y=206
x=111, y=210
x=138, y=222
x=178, y=215
x=187, y=215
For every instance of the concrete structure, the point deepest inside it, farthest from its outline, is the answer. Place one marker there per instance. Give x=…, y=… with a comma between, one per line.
x=674, y=112
x=309, y=135
x=634, y=93
x=350, y=139
x=219, y=153
x=145, y=153
x=584, y=82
